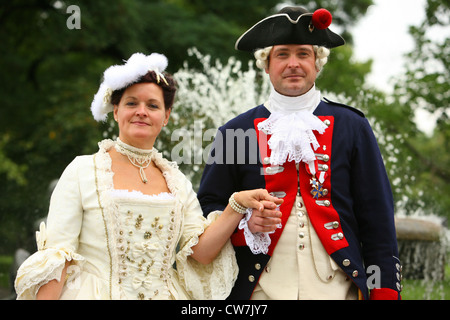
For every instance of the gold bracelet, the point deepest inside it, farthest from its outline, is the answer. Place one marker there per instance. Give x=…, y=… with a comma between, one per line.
x=236, y=206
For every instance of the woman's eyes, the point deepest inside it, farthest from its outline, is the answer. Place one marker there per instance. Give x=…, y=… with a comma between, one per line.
x=150, y=105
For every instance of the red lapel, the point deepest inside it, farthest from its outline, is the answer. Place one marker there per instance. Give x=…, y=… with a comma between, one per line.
x=324, y=218
x=277, y=182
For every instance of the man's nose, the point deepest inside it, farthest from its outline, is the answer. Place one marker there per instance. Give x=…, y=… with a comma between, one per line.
x=293, y=62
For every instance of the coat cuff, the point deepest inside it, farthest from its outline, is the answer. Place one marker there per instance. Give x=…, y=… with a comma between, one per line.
x=384, y=294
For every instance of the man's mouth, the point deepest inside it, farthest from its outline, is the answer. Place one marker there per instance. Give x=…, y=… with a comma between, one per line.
x=293, y=76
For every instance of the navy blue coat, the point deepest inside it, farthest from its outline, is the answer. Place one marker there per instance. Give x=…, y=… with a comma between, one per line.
x=358, y=200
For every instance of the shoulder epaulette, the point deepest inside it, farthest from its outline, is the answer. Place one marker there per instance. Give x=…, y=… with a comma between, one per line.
x=359, y=112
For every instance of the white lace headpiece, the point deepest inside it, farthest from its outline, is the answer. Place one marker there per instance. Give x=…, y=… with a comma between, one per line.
x=120, y=76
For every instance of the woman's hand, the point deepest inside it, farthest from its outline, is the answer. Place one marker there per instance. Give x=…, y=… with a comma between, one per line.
x=266, y=215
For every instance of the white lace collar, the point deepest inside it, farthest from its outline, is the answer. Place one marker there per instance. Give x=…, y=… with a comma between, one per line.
x=287, y=105
x=291, y=124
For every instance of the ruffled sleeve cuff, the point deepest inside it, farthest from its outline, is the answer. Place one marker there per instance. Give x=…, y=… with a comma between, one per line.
x=43, y=266
x=257, y=242
x=213, y=281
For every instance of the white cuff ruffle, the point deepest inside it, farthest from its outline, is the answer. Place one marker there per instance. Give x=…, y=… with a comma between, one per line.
x=43, y=266
x=257, y=242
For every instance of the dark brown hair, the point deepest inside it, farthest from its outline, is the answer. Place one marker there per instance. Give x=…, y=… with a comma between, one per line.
x=151, y=77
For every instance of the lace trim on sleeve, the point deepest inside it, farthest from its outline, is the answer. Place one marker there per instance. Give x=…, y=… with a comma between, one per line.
x=257, y=242
x=213, y=281
x=43, y=266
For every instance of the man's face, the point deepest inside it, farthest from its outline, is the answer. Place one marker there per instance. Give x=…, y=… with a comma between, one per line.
x=292, y=69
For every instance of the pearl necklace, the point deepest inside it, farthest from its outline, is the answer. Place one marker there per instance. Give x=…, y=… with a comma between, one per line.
x=140, y=158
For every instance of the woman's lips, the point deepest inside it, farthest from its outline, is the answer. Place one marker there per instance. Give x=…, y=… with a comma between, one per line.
x=140, y=123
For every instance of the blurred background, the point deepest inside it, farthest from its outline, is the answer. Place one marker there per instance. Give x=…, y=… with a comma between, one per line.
x=52, y=61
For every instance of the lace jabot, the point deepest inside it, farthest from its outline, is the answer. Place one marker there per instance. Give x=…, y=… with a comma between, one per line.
x=291, y=125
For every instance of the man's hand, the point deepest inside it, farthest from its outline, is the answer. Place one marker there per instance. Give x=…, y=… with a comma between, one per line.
x=266, y=215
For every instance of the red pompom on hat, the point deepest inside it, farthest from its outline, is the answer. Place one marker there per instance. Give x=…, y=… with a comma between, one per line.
x=321, y=19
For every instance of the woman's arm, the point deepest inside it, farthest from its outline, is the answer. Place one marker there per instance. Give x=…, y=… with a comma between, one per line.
x=217, y=234
x=52, y=289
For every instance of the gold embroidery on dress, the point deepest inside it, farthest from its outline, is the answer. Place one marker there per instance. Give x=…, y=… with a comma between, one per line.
x=140, y=255
x=106, y=228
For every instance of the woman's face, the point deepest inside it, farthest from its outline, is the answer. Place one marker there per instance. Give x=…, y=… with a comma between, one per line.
x=141, y=114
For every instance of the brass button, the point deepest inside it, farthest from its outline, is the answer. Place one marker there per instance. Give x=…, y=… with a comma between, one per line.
x=346, y=262
x=251, y=278
x=258, y=266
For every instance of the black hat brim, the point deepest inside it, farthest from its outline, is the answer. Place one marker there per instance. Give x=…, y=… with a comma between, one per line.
x=280, y=29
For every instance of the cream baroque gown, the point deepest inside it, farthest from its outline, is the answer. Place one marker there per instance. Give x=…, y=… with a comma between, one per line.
x=121, y=244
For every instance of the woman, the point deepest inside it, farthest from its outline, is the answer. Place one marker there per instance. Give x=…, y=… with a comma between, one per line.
x=120, y=219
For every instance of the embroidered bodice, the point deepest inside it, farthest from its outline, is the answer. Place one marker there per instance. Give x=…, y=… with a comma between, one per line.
x=148, y=229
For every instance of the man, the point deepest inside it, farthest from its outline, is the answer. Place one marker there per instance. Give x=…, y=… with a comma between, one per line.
x=336, y=237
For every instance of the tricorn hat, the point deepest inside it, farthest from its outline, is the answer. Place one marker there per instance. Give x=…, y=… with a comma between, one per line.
x=292, y=25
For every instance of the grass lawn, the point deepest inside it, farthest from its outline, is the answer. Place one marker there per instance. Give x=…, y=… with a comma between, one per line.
x=420, y=290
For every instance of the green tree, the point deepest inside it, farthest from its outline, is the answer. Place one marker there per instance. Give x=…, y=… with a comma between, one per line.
x=417, y=164
x=425, y=85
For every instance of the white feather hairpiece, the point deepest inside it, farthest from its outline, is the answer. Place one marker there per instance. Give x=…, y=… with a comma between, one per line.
x=120, y=76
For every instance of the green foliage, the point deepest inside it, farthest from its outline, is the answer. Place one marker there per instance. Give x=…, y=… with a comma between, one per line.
x=425, y=86
x=343, y=76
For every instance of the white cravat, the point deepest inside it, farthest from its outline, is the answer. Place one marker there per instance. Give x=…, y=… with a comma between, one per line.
x=291, y=124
